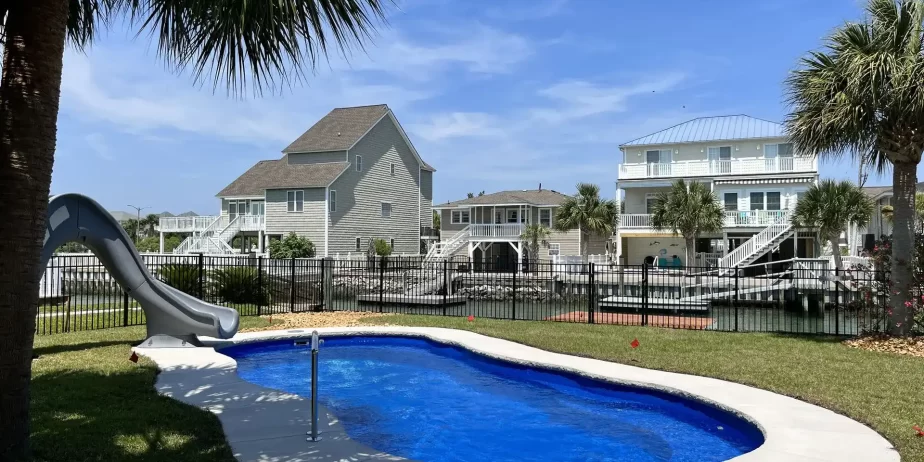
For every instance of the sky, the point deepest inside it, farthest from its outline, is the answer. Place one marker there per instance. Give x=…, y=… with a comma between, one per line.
x=495, y=94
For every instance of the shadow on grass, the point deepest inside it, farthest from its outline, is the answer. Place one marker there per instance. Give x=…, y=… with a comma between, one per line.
x=810, y=337
x=86, y=415
x=63, y=348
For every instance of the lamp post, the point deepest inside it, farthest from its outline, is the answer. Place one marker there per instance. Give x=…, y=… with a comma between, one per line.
x=138, y=221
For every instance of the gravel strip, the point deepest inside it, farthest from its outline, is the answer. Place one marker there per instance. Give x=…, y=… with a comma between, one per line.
x=322, y=319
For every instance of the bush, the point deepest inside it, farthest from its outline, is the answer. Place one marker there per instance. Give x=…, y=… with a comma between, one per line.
x=292, y=246
x=382, y=248
x=237, y=285
x=149, y=244
x=182, y=277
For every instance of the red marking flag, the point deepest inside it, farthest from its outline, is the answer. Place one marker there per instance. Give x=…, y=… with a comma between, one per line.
x=918, y=429
x=634, y=343
x=134, y=357
x=471, y=318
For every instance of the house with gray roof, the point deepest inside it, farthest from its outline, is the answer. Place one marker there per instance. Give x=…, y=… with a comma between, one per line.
x=879, y=223
x=487, y=229
x=751, y=167
x=352, y=177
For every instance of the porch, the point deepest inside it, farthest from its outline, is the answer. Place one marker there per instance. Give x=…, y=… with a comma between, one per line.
x=733, y=219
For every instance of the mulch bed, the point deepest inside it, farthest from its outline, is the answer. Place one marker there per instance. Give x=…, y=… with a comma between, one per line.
x=630, y=319
x=910, y=346
x=323, y=319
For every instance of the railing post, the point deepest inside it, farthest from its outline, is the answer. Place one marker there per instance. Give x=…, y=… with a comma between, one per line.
x=124, y=308
x=645, y=293
x=260, y=291
x=321, y=293
x=736, y=298
x=591, y=293
x=513, y=309
x=292, y=285
x=837, y=296
x=201, y=277
x=446, y=284
x=381, y=284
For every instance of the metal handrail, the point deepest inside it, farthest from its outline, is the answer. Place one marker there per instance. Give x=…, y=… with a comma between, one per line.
x=315, y=345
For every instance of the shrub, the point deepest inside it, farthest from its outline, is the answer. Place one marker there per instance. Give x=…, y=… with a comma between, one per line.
x=182, y=277
x=292, y=246
x=239, y=284
x=382, y=248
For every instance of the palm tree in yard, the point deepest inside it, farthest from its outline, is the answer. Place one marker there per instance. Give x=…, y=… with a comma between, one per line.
x=864, y=95
x=688, y=210
x=234, y=43
x=148, y=224
x=588, y=213
x=535, y=235
x=831, y=207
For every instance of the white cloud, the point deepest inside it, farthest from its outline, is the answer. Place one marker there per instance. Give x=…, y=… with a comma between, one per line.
x=580, y=99
x=458, y=125
x=98, y=145
x=528, y=11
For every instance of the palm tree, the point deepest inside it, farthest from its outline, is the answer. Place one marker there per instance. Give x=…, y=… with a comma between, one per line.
x=864, y=95
x=233, y=43
x=587, y=213
x=688, y=210
x=148, y=224
x=535, y=235
x=831, y=207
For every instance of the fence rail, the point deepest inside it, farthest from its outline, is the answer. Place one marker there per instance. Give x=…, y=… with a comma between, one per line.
x=806, y=297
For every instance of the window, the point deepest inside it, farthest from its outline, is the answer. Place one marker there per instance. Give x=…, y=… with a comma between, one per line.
x=513, y=215
x=295, y=201
x=257, y=208
x=731, y=202
x=386, y=210
x=757, y=201
x=359, y=163
x=720, y=153
x=359, y=244
x=391, y=243
x=498, y=217
x=773, y=201
x=545, y=217
x=554, y=249
x=332, y=201
x=779, y=156
x=662, y=156
x=720, y=159
x=650, y=199
x=392, y=169
x=459, y=217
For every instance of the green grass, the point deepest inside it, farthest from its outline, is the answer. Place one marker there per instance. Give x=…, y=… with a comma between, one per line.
x=884, y=391
x=90, y=403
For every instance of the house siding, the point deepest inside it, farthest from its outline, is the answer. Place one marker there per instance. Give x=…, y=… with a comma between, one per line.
x=317, y=157
x=308, y=223
x=426, y=198
x=360, y=194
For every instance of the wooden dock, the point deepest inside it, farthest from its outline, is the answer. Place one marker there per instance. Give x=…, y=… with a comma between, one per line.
x=435, y=301
x=653, y=303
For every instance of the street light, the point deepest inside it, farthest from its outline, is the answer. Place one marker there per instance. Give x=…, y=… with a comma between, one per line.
x=138, y=221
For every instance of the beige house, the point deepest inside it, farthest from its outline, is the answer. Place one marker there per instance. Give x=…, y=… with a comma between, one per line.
x=352, y=177
x=750, y=166
x=488, y=228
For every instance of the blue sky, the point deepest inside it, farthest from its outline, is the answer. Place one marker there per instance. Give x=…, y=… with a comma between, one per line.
x=494, y=94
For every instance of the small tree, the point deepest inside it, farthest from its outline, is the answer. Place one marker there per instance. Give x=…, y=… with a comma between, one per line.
x=382, y=248
x=292, y=246
x=831, y=207
x=535, y=235
x=688, y=210
x=436, y=220
x=588, y=213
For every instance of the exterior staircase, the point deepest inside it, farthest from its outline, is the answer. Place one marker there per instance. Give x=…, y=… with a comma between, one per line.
x=444, y=249
x=214, y=240
x=757, y=245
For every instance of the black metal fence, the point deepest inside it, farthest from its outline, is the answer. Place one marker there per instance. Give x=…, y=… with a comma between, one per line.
x=799, y=296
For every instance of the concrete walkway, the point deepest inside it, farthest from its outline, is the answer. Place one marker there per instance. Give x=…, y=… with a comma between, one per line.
x=267, y=425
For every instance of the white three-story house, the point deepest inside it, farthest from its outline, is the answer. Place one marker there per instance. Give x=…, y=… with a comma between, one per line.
x=751, y=168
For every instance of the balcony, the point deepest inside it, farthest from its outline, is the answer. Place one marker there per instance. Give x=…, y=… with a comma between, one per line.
x=733, y=219
x=500, y=232
x=427, y=232
x=184, y=224
x=695, y=168
x=252, y=222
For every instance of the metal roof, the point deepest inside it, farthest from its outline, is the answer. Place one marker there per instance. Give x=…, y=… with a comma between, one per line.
x=733, y=127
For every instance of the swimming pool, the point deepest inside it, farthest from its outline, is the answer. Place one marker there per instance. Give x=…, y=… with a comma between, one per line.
x=428, y=401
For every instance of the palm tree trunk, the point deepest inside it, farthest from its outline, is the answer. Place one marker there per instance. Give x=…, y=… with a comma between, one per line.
x=836, y=252
x=904, y=179
x=690, y=253
x=584, y=238
x=29, y=93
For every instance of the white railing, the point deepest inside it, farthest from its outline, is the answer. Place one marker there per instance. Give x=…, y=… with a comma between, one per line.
x=718, y=167
x=184, y=224
x=753, y=217
x=508, y=230
x=446, y=248
x=757, y=243
x=184, y=246
x=252, y=222
x=635, y=220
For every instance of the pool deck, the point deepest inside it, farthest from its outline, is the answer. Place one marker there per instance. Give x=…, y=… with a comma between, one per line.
x=262, y=424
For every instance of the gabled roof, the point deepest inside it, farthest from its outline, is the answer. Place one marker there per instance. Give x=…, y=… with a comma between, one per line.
x=277, y=174
x=876, y=192
x=721, y=128
x=526, y=196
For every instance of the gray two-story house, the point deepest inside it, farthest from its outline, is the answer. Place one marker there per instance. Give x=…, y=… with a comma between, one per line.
x=352, y=177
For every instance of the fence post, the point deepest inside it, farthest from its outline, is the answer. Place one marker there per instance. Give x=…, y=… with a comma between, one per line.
x=644, y=293
x=201, y=277
x=124, y=308
x=292, y=285
x=591, y=293
x=446, y=284
x=381, y=284
x=260, y=291
x=513, y=309
x=321, y=292
x=736, y=298
x=837, y=302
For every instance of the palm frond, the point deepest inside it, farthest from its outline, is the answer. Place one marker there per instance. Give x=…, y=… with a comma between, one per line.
x=831, y=206
x=687, y=209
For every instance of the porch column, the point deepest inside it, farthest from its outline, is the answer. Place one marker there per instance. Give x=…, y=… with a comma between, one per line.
x=725, y=248
x=260, y=243
x=161, y=242
x=519, y=248
x=795, y=244
x=471, y=253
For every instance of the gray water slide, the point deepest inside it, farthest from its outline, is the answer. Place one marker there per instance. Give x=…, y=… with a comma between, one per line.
x=173, y=317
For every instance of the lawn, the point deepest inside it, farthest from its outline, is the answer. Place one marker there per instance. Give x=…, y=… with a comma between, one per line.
x=91, y=403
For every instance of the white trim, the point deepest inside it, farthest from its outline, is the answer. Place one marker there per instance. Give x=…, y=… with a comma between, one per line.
x=460, y=222
x=420, y=205
x=238, y=198
x=557, y=249
x=295, y=201
x=382, y=209
x=326, y=223
x=359, y=163
x=551, y=216
x=332, y=205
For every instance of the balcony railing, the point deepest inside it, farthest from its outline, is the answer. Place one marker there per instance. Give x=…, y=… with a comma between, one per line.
x=717, y=167
x=252, y=222
x=742, y=218
x=635, y=220
x=184, y=224
x=502, y=231
x=427, y=232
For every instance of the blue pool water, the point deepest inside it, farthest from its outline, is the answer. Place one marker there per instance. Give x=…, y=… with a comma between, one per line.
x=431, y=402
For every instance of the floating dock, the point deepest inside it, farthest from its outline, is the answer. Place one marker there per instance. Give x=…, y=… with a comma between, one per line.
x=435, y=301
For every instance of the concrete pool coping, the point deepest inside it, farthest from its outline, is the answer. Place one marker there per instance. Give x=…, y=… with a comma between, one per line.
x=262, y=424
